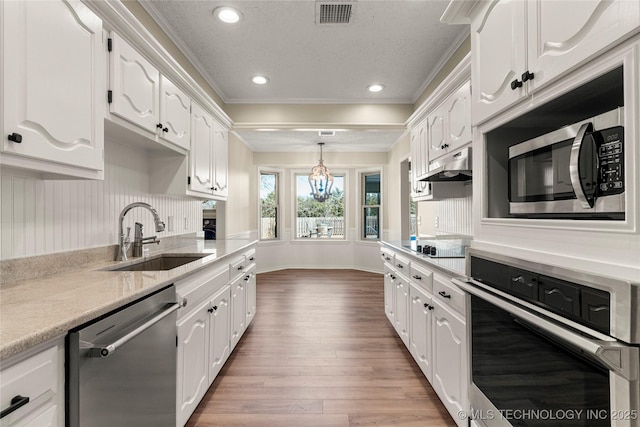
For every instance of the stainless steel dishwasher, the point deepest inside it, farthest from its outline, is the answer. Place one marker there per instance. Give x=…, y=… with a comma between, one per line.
x=121, y=368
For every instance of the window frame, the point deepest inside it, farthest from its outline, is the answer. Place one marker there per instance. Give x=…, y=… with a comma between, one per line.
x=361, y=173
x=344, y=173
x=279, y=173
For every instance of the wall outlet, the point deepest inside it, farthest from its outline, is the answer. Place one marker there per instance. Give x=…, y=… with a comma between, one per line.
x=171, y=223
x=419, y=220
x=437, y=222
x=186, y=223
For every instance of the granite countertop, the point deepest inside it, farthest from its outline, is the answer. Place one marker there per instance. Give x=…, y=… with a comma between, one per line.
x=37, y=310
x=451, y=266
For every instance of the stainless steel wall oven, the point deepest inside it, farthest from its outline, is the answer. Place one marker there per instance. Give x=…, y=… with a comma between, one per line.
x=551, y=346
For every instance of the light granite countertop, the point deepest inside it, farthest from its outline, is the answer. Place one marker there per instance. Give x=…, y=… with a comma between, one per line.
x=37, y=310
x=454, y=267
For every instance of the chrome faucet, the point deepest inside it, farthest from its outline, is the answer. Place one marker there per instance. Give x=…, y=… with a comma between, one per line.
x=139, y=240
x=125, y=241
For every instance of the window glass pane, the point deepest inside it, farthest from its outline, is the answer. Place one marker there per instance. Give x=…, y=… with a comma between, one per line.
x=371, y=223
x=372, y=189
x=268, y=205
x=319, y=220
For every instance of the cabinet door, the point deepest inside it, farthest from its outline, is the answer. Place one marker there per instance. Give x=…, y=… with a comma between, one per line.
x=200, y=156
x=389, y=292
x=53, y=77
x=498, y=55
x=418, y=188
x=401, y=311
x=192, y=364
x=563, y=34
x=220, y=160
x=450, y=372
x=458, y=118
x=238, y=310
x=135, y=86
x=420, y=329
x=219, y=329
x=250, y=279
x=437, y=133
x=175, y=114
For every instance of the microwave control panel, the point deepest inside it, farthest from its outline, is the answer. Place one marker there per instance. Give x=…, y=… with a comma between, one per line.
x=611, y=161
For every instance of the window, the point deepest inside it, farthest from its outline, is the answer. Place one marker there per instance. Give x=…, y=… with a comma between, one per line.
x=319, y=220
x=269, y=205
x=371, y=201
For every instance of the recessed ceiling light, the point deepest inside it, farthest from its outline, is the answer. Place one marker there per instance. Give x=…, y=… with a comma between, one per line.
x=375, y=88
x=260, y=80
x=227, y=14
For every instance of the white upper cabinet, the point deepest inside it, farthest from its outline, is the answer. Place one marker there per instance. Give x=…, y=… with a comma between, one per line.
x=450, y=123
x=141, y=95
x=498, y=51
x=53, y=78
x=220, y=160
x=562, y=35
x=518, y=46
x=175, y=114
x=201, y=154
x=134, y=84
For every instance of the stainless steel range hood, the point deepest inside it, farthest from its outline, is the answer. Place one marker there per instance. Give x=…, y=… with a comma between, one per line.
x=454, y=166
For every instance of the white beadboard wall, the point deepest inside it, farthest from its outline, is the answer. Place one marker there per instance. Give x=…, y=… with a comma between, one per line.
x=42, y=217
x=455, y=216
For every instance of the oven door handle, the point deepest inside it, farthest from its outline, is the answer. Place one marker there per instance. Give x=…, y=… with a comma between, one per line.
x=616, y=356
x=107, y=350
x=574, y=166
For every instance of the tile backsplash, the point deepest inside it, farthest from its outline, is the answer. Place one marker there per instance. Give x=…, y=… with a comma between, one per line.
x=42, y=217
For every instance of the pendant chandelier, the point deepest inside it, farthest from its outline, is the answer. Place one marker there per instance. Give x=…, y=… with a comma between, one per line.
x=320, y=180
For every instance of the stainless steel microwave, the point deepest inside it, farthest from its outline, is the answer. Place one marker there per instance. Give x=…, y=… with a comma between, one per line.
x=576, y=172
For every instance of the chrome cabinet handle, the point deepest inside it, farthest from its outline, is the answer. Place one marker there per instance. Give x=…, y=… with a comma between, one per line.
x=107, y=350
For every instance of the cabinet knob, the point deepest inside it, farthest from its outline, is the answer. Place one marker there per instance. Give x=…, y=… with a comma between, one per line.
x=159, y=125
x=212, y=309
x=415, y=276
x=246, y=279
x=527, y=76
x=251, y=259
x=444, y=295
x=15, y=137
x=165, y=129
x=426, y=305
x=430, y=307
x=516, y=84
x=240, y=267
x=399, y=265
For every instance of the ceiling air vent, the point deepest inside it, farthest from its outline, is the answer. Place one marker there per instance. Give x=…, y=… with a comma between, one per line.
x=333, y=13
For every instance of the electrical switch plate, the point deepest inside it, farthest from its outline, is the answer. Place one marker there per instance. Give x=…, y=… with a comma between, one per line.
x=186, y=223
x=437, y=222
x=171, y=223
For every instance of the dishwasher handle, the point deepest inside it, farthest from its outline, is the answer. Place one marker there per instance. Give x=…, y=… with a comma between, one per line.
x=107, y=350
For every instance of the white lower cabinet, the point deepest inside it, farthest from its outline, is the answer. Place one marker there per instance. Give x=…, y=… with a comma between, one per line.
x=219, y=340
x=428, y=313
x=238, y=310
x=450, y=371
x=32, y=389
x=420, y=341
x=192, y=374
x=211, y=304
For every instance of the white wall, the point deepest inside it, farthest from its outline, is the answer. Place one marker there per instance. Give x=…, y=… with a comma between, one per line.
x=42, y=217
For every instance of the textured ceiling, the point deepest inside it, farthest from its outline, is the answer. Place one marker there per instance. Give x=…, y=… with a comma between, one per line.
x=401, y=44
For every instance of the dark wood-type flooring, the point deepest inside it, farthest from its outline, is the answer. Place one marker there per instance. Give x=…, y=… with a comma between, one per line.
x=320, y=352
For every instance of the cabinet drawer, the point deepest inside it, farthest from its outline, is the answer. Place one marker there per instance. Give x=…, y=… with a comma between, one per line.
x=449, y=294
x=250, y=257
x=421, y=277
x=200, y=286
x=35, y=378
x=387, y=256
x=237, y=266
x=402, y=265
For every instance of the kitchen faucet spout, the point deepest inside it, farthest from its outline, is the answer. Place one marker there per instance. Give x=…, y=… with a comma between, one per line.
x=125, y=241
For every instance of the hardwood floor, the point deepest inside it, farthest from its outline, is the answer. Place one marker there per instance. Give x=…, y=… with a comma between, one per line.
x=320, y=352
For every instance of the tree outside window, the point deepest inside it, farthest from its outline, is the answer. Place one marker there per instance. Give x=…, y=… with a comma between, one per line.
x=320, y=220
x=269, y=205
x=371, y=201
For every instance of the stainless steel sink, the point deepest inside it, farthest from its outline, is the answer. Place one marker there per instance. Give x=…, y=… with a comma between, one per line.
x=162, y=262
